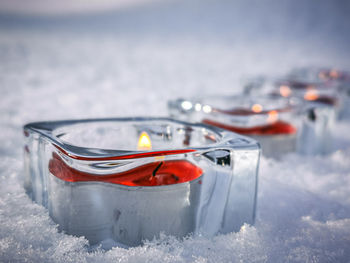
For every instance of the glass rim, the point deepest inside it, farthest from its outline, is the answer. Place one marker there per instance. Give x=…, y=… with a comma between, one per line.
x=46, y=129
x=290, y=104
x=338, y=73
x=301, y=85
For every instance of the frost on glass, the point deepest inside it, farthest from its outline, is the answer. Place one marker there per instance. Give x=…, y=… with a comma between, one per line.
x=96, y=182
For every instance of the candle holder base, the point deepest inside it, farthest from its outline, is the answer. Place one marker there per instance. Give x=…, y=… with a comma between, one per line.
x=96, y=182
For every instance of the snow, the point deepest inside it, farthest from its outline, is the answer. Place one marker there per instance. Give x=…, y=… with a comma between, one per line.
x=130, y=64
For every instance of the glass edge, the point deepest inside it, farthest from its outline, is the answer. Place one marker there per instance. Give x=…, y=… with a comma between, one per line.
x=227, y=139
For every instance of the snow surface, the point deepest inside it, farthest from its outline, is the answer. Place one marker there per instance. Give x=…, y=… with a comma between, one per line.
x=131, y=63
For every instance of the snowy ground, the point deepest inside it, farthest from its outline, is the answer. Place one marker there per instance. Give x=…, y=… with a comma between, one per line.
x=58, y=72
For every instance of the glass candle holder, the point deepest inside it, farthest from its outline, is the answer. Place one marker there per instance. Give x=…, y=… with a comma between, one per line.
x=279, y=124
x=317, y=74
x=129, y=179
x=314, y=94
x=322, y=102
x=333, y=80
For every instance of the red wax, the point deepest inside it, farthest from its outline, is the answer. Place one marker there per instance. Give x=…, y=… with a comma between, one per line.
x=278, y=127
x=151, y=174
x=299, y=84
x=305, y=86
x=327, y=100
x=248, y=112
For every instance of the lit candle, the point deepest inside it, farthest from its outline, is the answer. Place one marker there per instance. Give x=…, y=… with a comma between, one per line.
x=268, y=119
x=275, y=136
x=311, y=74
x=151, y=174
x=315, y=92
x=278, y=127
x=319, y=104
x=110, y=179
x=334, y=83
x=273, y=125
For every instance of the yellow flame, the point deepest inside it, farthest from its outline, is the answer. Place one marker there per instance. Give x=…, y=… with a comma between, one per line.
x=144, y=143
x=285, y=91
x=272, y=116
x=311, y=95
x=257, y=108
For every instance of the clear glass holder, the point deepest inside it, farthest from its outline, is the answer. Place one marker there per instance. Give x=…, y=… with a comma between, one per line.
x=280, y=125
x=334, y=80
x=130, y=179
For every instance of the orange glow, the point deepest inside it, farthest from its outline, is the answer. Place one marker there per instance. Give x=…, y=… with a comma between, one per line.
x=285, y=91
x=257, y=108
x=311, y=95
x=144, y=143
x=334, y=74
x=273, y=116
x=322, y=75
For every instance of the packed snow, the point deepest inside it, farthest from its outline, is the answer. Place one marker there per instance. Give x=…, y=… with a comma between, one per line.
x=53, y=69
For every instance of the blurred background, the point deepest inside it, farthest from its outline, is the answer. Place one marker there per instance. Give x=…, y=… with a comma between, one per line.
x=108, y=58
x=113, y=49
x=168, y=47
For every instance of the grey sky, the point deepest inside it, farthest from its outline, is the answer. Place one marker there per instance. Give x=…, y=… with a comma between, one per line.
x=55, y=7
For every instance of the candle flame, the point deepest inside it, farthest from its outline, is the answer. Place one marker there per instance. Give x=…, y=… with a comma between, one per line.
x=334, y=74
x=272, y=116
x=285, y=91
x=311, y=95
x=144, y=143
x=257, y=108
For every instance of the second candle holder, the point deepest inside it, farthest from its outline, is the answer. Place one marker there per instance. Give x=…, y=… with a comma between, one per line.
x=279, y=124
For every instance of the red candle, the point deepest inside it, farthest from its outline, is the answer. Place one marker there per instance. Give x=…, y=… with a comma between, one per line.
x=321, y=99
x=273, y=127
x=256, y=109
x=311, y=92
x=151, y=174
x=278, y=127
x=333, y=74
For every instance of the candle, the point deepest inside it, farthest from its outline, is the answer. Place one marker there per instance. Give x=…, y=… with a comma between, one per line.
x=131, y=179
x=276, y=128
x=311, y=74
x=320, y=104
x=275, y=136
x=273, y=126
x=335, y=82
x=314, y=92
x=152, y=174
x=268, y=119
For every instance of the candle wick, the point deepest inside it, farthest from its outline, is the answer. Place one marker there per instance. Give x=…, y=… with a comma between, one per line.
x=175, y=177
x=157, y=168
